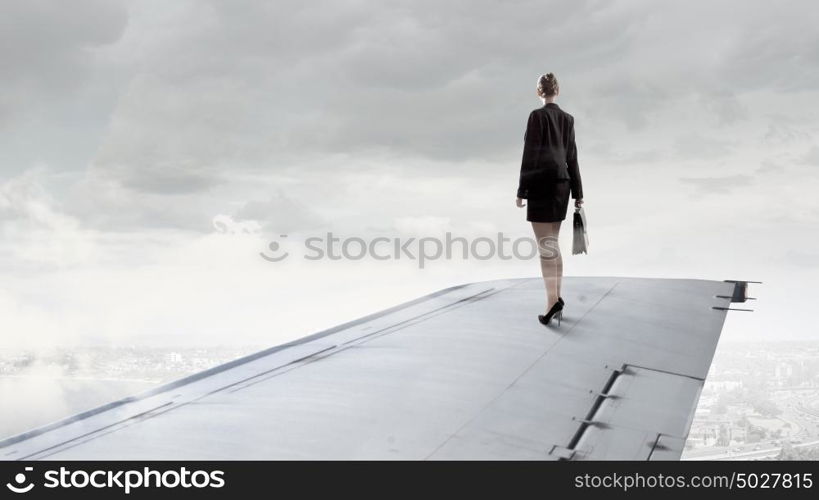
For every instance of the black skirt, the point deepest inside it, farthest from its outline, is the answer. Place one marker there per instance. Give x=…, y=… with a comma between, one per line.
x=551, y=204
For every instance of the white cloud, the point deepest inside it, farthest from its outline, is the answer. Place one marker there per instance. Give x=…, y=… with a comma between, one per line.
x=367, y=118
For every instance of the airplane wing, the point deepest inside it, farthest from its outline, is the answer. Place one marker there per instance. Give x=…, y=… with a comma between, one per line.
x=464, y=373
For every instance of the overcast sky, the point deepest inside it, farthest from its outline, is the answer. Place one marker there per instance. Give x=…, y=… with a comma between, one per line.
x=150, y=150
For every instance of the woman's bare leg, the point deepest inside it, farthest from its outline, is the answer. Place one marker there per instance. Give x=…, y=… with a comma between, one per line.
x=551, y=261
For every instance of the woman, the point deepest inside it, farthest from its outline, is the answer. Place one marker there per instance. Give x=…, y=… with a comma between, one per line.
x=548, y=174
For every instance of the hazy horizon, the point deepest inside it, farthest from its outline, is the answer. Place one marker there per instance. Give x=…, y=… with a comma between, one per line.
x=150, y=151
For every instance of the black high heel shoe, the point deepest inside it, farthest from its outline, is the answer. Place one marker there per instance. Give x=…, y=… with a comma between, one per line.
x=555, y=311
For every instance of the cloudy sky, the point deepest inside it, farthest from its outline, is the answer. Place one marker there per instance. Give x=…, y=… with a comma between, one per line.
x=149, y=151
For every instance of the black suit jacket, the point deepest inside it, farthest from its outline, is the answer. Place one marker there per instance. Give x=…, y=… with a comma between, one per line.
x=549, y=153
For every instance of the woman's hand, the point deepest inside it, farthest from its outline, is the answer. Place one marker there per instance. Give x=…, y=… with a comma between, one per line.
x=578, y=203
x=519, y=202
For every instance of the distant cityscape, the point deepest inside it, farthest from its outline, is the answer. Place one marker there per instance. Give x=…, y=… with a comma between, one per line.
x=130, y=363
x=58, y=382
x=760, y=400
